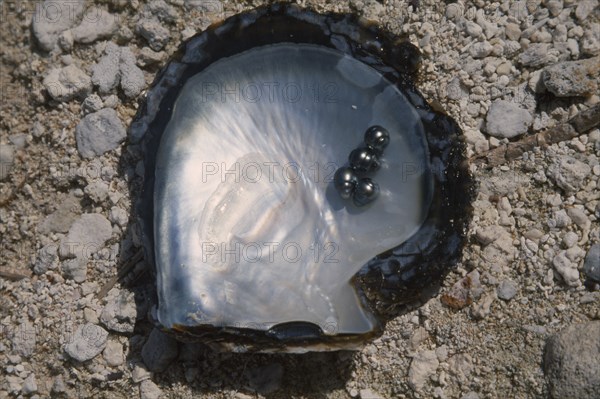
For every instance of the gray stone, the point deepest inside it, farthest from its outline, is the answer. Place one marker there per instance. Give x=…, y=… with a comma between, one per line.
x=59, y=221
x=506, y=119
x=149, y=57
x=120, y=312
x=579, y=217
x=7, y=159
x=585, y=8
x=97, y=25
x=24, y=339
x=159, y=351
x=92, y=103
x=140, y=373
x=47, y=258
x=75, y=269
x=118, y=216
x=537, y=55
x=52, y=17
x=573, y=78
x=591, y=265
x=113, y=354
x=97, y=191
x=567, y=270
x=105, y=74
x=423, y=365
x=590, y=42
x=570, y=239
x=159, y=8
x=132, y=77
x=571, y=361
x=507, y=290
x=99, y=132
x=86, y=236
x=29, y=385
x=88, y=342
x=265, y=379
x=568, y=173
x=67, y=83
x=481, y=49
x=155, y=34
x=149, y=390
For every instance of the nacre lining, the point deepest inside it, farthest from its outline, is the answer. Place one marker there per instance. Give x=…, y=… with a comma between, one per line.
x=249, y=232
x=350, y=75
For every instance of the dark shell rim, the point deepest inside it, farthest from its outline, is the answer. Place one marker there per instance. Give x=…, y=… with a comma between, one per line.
x=393, y=282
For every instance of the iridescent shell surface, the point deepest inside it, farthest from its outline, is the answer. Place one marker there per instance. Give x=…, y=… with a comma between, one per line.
x=252, y=247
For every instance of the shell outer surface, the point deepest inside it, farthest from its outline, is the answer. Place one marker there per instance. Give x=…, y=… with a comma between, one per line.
x=391, y=283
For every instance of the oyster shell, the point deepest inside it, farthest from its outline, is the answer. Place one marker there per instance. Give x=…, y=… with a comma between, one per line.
x=253, y=247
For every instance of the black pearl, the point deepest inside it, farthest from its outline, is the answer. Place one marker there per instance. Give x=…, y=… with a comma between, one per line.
x=377, y=138
x=364, y=159
x=366, y=191
x=345, y=181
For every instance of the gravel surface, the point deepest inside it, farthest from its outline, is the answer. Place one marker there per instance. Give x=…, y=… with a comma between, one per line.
x=510, y=320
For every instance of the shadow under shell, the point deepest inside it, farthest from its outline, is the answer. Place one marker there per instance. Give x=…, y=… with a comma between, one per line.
x=253, y=248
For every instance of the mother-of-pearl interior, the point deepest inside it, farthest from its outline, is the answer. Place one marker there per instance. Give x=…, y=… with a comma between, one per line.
x=249, y=230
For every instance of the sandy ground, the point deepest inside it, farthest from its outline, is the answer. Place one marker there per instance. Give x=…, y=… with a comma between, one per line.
x=492, y=348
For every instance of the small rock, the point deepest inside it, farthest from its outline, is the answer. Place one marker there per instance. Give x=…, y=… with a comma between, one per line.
x=59, y=221
x=113, y=354
x=52, y=17
x=579, y=217
x=103, y=25
x=7, y=158
x=573, y=78
x=483, y=308
x=265, y=379
x=29, y=385
x=507, y=290
x=149, y=57
x=24, y=339
x=99, y=132
x=47, y=258
x=65, y=41
x=422, y=366
x=568, y=173
x=97, y=191
x=88, y=342
x=105, y=74
x=571, y=361
x=506, y=119
x=118, y=216
x=570, y=239
x=151, y=30
x=585, y=8
x=537, y=55
x=120, y=312
x=86, y=236
x=92, y=103
x=132, y=77
x=159, y=351
x=463, y=292
x=590, y=42
x=140, y=373
x=591, y=265
x=67, y=83
x=512, y=31
x=149, y=390
x=75, y=269
x=567, y=270
x=58, y=385
x=369, y=394
x=481, y=49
